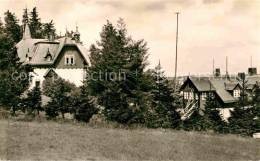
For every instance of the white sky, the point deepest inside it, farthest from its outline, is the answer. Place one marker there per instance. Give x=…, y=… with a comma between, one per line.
x=207, y=28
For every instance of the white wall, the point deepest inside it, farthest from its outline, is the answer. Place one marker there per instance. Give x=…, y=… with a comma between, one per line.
x=72, y=75
x=225, y=112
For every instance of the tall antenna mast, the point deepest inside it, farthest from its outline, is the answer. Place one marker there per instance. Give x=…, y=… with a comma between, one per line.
x=175, y=82
x=251, y=63
x=226, y=66
x=213, y=66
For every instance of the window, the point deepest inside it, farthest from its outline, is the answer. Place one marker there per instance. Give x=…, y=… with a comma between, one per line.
x=236, y=93
x=196, y=96
x=191, y=95
x=37, y=83
x=186, y=95
x=48, y=58
x=203, y=96
x=69, y=60
x=72, y=60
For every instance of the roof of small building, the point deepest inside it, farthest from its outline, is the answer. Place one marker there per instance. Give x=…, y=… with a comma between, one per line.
x=224, y=95
x=230, y=86
x=203, y=85
x=252, y=79
x=250, y=86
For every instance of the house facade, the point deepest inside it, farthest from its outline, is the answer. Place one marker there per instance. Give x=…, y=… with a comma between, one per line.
x=64, y=57
x=225, y=92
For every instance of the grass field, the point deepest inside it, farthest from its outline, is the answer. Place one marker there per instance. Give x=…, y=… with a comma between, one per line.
x=48, y=140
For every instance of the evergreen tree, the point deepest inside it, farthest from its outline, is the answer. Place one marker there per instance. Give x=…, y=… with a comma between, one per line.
x=14, y=77
x=121, y=86
x=34, y=100
x=212, y=117
x=36, y=25
x=52, y=109
x=164, y=102
x=242, y=120
x=59, y=91
x=82, y=107
x=256, y=102
x=49, y=29
x=194, y=122
x=12, y=27
x=25, y=16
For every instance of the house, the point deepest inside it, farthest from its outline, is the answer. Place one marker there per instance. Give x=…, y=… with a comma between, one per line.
x=224, y=91
x=64, y=57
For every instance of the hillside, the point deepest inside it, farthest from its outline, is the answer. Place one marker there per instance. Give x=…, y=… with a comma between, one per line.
x=64, y=141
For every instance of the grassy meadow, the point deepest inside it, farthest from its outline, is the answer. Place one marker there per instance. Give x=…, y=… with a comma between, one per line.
x=49, y=140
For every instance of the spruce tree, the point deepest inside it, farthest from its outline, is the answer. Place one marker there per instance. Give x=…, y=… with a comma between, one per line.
x=82, y=107
x=59, y=91
x=12, y=27
x=14, y=76
x=48, y=28
x=121, y=89
x=35, y=24
x=256, y=102
x=212, y=117
x=242, y=120
x=34, y=101
x=164, y=101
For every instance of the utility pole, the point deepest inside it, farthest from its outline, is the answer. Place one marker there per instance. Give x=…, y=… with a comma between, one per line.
x=175, y=81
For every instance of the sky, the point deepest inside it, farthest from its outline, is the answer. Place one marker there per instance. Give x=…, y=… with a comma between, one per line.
x=208, y=29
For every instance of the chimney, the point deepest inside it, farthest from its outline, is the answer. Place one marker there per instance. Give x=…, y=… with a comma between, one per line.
x=241, y=75
x=252, y=71
x=51, y=38
x=217, y=72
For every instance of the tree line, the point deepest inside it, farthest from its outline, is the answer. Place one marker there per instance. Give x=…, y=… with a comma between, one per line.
x=145, y=96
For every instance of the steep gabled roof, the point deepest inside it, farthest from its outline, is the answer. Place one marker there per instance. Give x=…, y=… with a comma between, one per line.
x=207, y=84
x=38, y=49
x=230, y=86
x=24, y=45
x=50, y=73
x=223, y=94
x=203, y=85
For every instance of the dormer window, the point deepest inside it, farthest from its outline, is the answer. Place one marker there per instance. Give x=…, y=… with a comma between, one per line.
x=236, y=93
x=69, y=60
x=48, y=56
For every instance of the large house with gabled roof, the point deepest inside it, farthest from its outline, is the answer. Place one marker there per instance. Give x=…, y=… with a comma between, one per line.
x=225, y=91
x=64, y=57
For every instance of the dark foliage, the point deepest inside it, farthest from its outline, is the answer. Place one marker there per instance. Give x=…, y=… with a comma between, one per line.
x=82, y=107
x=33, y=101
x=123, y=60
x=59, y=90
x=164, y=102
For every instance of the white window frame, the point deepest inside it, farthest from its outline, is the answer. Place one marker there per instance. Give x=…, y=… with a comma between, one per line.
x=186, y=95
x=191, y=95
x=236, y=93
x=203, y=95
x=72, y=58
x=69, y=58
x=196, y=96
